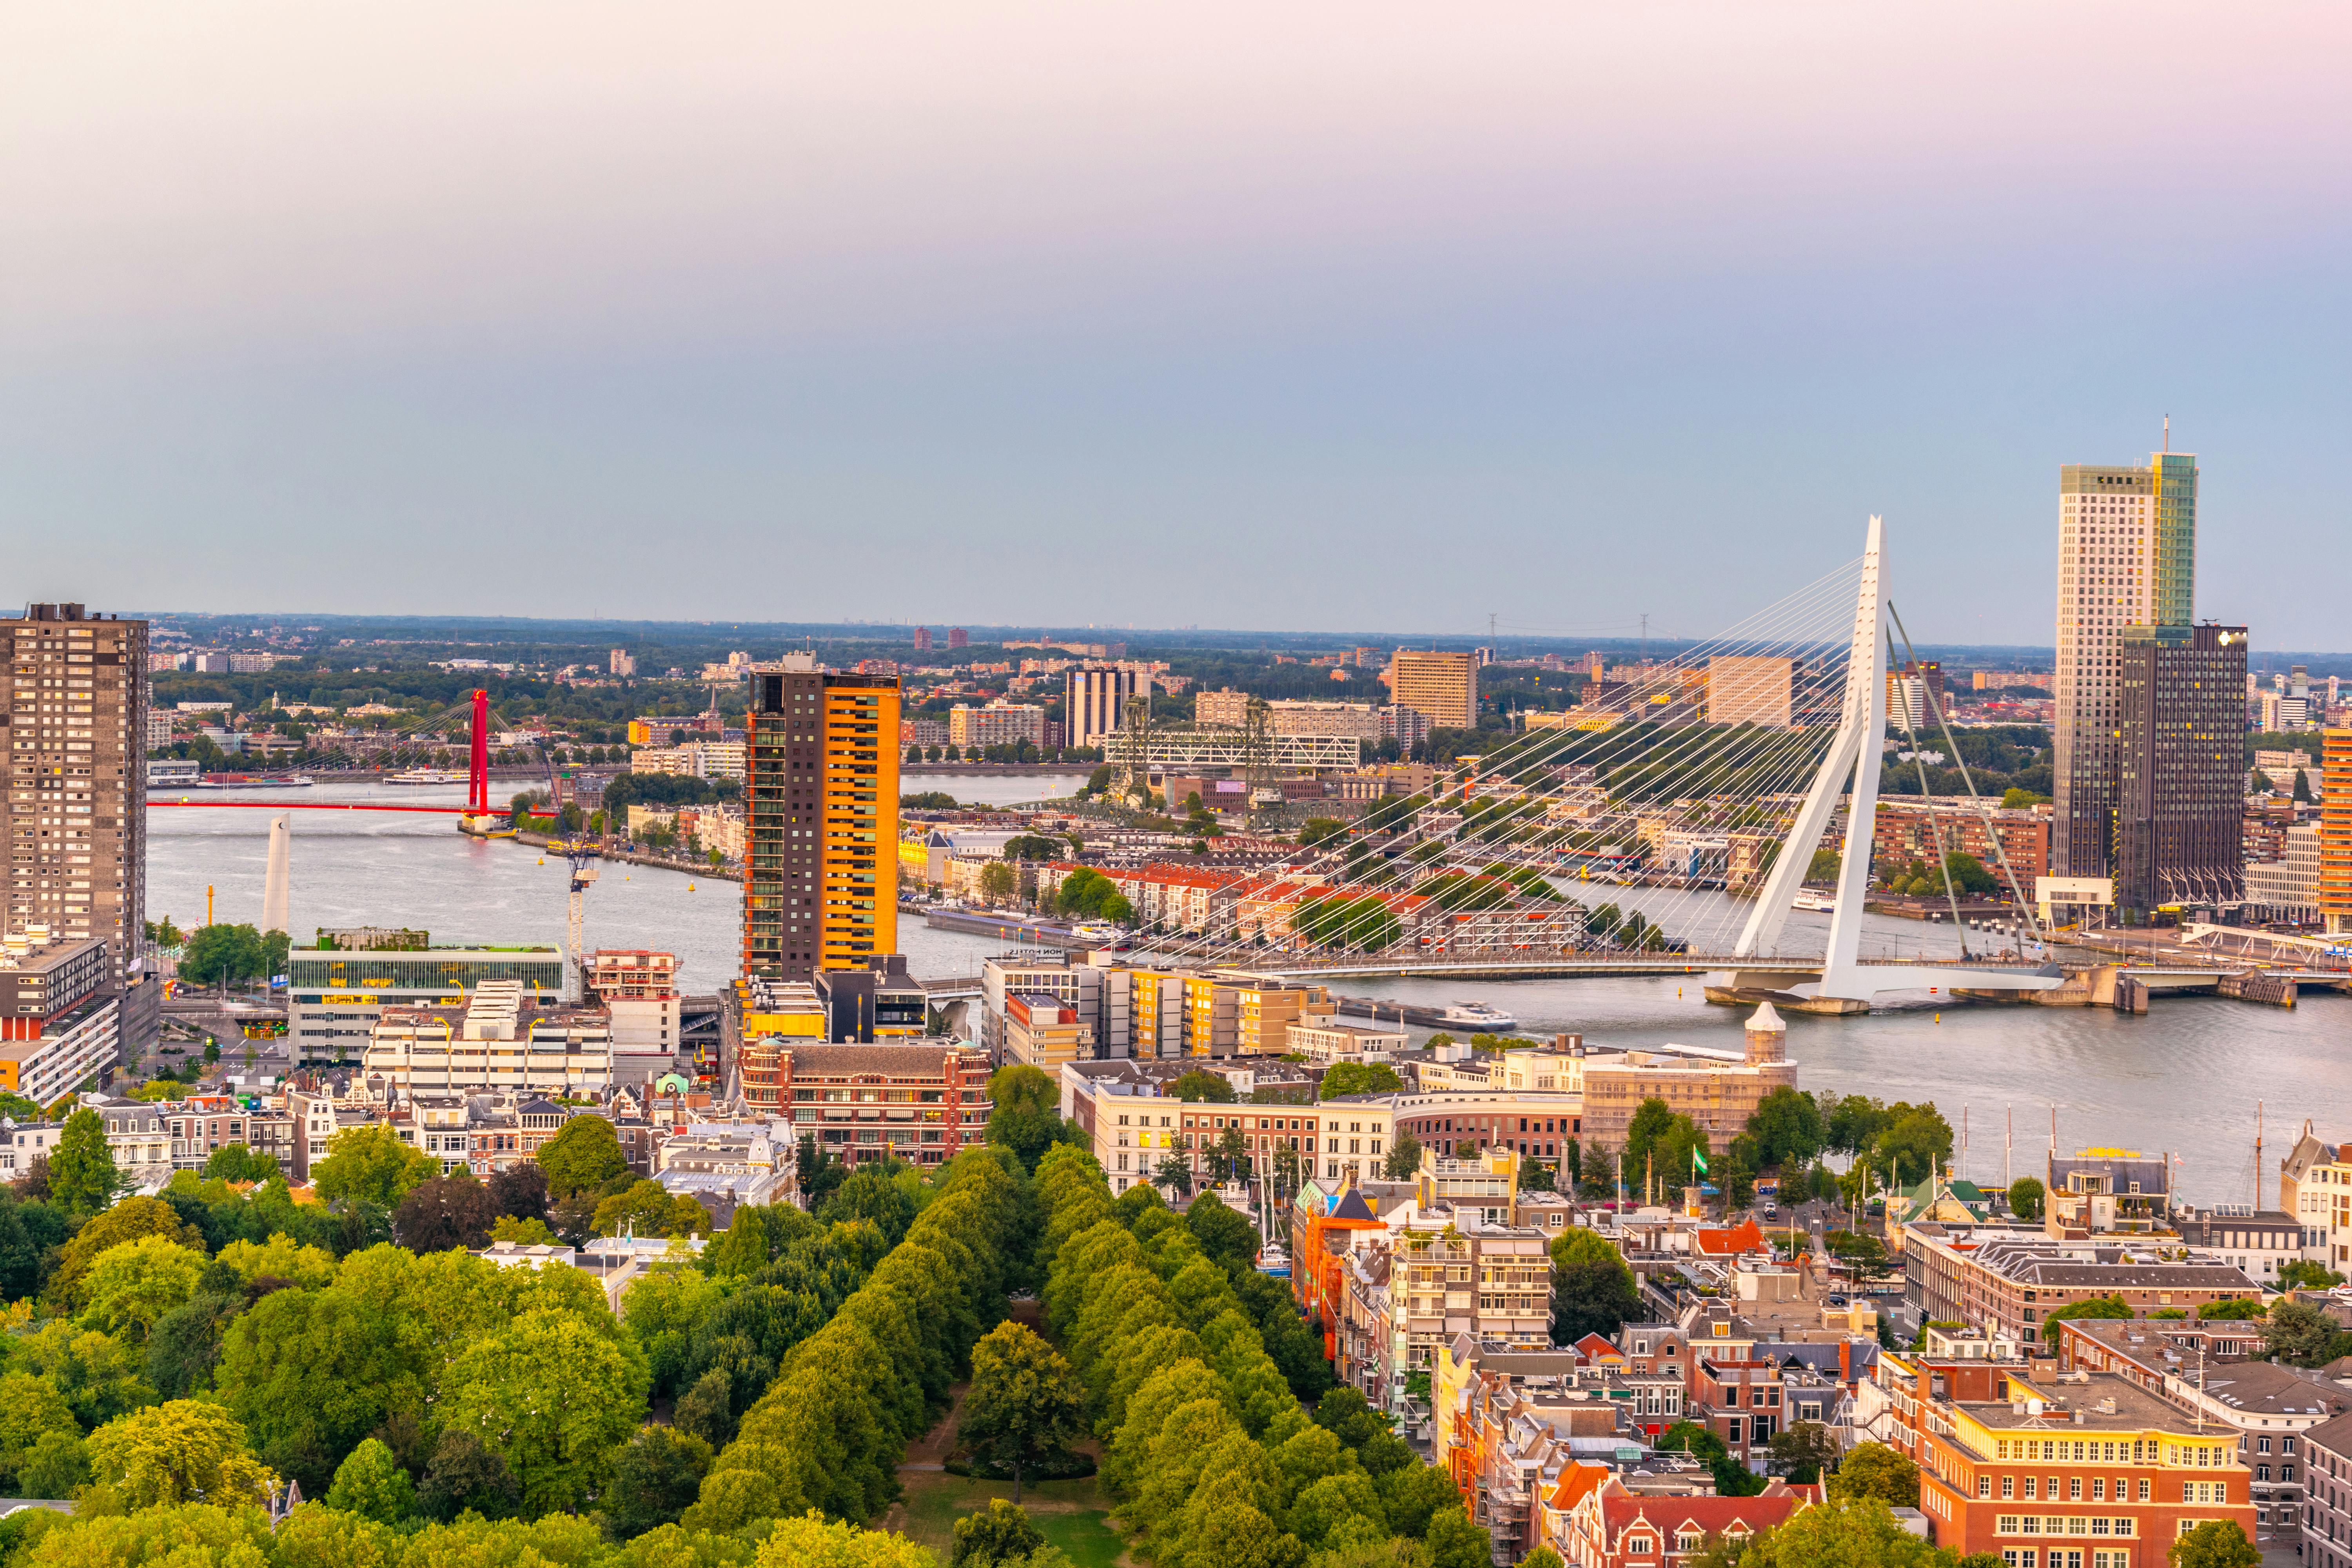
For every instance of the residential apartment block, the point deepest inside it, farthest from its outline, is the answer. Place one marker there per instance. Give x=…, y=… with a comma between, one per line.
x=60, y=1012
x=1719, y=1096
x=1441, y=686
x=918, y=1101
x=497, y=1041
x=2089, y=1472
x=998, y=723
x=2009, y=1285
x=76, y=727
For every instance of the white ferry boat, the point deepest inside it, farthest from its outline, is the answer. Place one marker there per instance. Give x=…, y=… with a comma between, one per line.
x=426, y=777
x=1819, y=903
x=1476, y=1015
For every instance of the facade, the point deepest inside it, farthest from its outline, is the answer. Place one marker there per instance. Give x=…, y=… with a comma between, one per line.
x=1043, y=1032
x=2009, y=1285
x=496, y=1041
x=2288, y=888
x=2099, y=1191
x=2315, y=1188
x=2257, y=1243
x=1751, y=688
x=2092, y=1473
x=77, y=733
x=1093, y=701
x=1719, y=1095
x=820, y=883
x=696, y=759
x=918, y=1100
x=2336, y=830
x=1329, y=1039
x=2268, y=1407
x=1225, y=708
x=335, y=994
x=1907, y=831
x=60, y=1013
x=138, y=1138
x=1358, y=720
x=2327, y=1506
x=1441, y=686
x=2126, y=557
x=998, y=723
x=2181, y=784
x=1611, y=1525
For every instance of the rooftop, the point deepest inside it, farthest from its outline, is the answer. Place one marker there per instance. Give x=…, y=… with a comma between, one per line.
x=2097, y=1402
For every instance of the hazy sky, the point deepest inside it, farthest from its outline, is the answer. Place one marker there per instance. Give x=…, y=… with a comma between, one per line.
x=1313, y=315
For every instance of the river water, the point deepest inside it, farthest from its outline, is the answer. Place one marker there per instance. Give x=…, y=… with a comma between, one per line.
x=2185, y=1077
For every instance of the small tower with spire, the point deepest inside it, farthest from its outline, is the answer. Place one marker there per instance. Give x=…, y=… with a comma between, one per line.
x=1768, y=1037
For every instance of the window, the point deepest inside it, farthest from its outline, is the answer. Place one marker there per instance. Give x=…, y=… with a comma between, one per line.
x=2009, y=1486
x=1984, y=1486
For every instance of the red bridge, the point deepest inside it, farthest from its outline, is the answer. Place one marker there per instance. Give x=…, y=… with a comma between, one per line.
x=478, y=784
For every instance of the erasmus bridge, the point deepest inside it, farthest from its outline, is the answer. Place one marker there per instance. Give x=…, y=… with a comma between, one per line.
x=1668, y=829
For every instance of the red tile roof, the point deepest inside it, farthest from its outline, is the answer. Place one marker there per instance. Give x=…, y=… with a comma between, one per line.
x=1740, y=1239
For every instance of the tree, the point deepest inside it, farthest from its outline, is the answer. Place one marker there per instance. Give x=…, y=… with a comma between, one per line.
x=1865, y=1532
x=810, y=1543
x=583, y=1156
x=444, y=1213
x=2025, y=1195
x=1593, y=1286
x=465, y=1475
x=2217, y=1542
x=1732, y=1478
x=1173, y=1173
x=83, y=1178
x=2304, y=1274
x=181, y=1452
x=1316, y=829
x=370, y=1164
x=1875, y=1470
x=30, y=1408
x=1225, y=1239
x=1024, y=1403
x=654, y=1480
x=1198, y=1086
x=1454, y=1543
x=2093, y=1306
x=132, y=1286
x=236, y=1162
x=56, y=1466
x=1802, y=1449
x=371, y=1484
x=521, y=1190
x=1359, y=1078
x=1025, y=1112
x=1863, y=1253
x=999, y=1536
x=551, y=1396
x=228, y=955
x=998, y=882
x=2300, y=1334
x=1787, y=1128
x=648, y=1209
x=1403, y=1158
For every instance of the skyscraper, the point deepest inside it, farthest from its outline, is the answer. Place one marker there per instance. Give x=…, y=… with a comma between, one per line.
x=2126, y=557
x=76, y=734
x=2181, y=768
x=1443, y=686
x=1095, y=700
x=821, y=881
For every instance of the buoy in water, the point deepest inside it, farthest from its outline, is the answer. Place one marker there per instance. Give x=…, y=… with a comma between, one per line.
x=690, y=887
x=1939, y=1017
x=543, y=860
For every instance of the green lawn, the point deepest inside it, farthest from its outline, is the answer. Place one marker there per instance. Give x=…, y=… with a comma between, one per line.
x=1072, y=1515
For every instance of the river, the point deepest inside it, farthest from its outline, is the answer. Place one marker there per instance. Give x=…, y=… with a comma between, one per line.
x=2185, y=1077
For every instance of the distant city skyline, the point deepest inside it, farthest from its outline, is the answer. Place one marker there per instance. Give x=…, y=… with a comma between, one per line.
x=1318, y=318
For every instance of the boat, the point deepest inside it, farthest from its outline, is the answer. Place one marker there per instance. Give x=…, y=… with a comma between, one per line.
x=1476, y=1015
x=426, y=776
x=250, y=781
x=1819, y=903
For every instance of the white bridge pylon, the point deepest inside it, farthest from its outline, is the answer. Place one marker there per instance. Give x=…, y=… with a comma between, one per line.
x=1857, y=752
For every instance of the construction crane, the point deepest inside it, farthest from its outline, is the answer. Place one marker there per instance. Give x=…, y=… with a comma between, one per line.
x=582, y=855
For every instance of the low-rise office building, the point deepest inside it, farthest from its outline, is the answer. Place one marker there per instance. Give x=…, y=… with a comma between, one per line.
x=497, y=1041
x=60, y=1013
x=2009, y=1284
x=335, y=993
x=1715, y=1090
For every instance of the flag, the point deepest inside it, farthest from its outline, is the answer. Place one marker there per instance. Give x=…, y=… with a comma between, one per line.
x=1698, y=1161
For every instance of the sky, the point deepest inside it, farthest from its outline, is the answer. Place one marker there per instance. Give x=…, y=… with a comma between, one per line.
x=1310, y=316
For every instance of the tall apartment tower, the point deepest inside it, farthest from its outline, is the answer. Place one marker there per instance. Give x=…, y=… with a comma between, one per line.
x=2336, y=830
x=922, y=640
x=2181, y=768
x=1094, y=699
x=821, y=880
x=77, y=736
x=2126, y=557
x=1442, y=686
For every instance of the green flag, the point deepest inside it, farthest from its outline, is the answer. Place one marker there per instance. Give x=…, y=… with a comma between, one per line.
x=1698, y=1161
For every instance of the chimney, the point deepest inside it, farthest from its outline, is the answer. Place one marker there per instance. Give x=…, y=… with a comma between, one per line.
x=1845, y=1360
